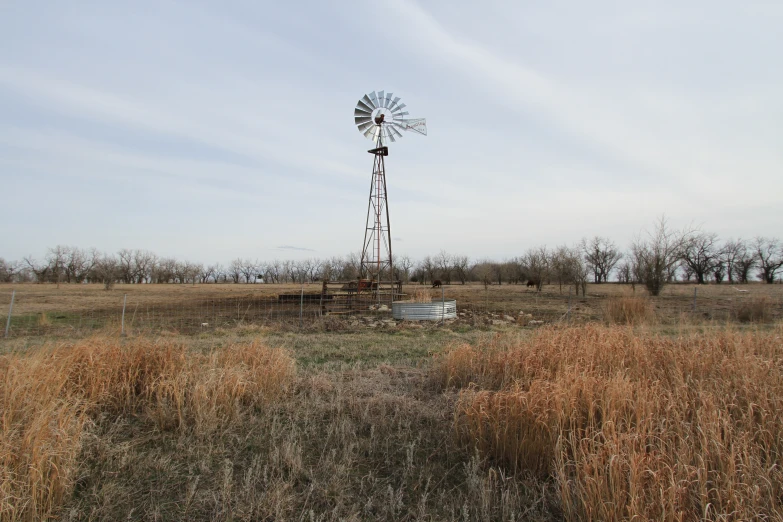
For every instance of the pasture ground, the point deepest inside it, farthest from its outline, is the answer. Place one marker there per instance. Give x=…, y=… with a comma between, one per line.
x=369, y=426
x=152, y=309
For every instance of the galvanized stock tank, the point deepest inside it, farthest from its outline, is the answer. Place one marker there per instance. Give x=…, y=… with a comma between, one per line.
x=434, y=311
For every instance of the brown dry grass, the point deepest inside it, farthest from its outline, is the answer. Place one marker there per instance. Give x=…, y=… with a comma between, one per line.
x=421, y=295
x=49, y=398
x=73, y=309
x=757, y=309
x=632, y=425
x=628, y=310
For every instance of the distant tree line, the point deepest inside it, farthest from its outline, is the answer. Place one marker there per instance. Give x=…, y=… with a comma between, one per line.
x=655, y=258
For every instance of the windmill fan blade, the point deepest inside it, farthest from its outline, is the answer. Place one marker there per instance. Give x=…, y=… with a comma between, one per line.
x=360, y=106
x=368, y=102
x=387, y=100
x=380, y=99
x=369, y=132
x=364, y=126
x=399, y=107
x=393, y=104
x=393, y=130
x=357, y=112
x=374, y=99
x=362, y=120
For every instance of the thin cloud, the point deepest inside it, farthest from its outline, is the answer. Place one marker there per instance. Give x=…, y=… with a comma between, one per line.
x=290, y=247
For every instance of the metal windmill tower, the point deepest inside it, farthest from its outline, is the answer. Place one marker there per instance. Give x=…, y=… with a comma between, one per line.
x=382, y=118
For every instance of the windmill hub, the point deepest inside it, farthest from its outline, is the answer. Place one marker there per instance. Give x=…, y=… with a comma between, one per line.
x=380, y=115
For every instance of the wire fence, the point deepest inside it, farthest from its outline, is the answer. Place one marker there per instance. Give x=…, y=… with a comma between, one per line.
x=29, y=312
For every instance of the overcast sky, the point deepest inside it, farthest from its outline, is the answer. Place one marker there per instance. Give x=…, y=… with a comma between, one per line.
x=214, y=130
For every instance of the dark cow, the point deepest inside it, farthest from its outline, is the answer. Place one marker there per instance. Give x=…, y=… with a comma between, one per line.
x=530, y=283
x=436, y=283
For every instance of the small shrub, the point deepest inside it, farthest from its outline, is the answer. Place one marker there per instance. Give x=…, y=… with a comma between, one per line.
x=755, y=310
x=628, y=310
x=421, y=295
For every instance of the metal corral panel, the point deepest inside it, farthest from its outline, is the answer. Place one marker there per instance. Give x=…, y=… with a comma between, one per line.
x=434, y=311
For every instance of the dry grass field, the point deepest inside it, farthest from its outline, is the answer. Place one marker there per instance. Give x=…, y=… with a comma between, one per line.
x=179, y=308
x=668, y=415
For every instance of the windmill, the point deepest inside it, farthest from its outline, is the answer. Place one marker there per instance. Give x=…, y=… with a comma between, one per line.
x=382, y=118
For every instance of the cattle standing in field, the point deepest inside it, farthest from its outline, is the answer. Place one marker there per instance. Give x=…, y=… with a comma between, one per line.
x=530, y=283
x=436, y=283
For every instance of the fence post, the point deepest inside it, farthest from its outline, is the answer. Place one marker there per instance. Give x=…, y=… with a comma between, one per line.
x=10, y=309
x=124, y=300
x=694, y=298
x=442, y=305
x=301, y=306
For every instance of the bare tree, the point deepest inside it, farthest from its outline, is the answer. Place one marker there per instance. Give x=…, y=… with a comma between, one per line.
x=461, y=266
x=143, y=263
x=273, y=271
x=125, y=265
x=700, y=253
x=329, y=268
x=498, y=271
x=536, y=262
x=220, y=273
x=482, y=271
x=56, y=258
x=402, y=266
x=427, y=267
x=314, y=269
x=517, y=272
x=249, y=270
x=578, y=269
x=655, y=256
x=719, y=271
x=769, y=253
x=234, y=270
x=106, y=271
x=560, y=265
x=351, y=266
x=165, y=270
x=208, y=272
x=40, y=271
x=8, y=270
x=744, y=262
x=73, y=263
x=445, y=266
x=729, y=253
x=625, y=272
x=601, y=256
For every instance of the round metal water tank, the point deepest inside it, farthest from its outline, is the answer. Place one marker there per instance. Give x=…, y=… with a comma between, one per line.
x=434, y=311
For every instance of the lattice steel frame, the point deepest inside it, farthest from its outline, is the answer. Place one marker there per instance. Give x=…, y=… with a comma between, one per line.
x=377, y=260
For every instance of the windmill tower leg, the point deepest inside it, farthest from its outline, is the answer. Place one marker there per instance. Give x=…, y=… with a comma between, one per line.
x=376, y=260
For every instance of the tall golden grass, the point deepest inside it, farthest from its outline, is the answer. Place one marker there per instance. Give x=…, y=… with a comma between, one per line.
x=421, y=295
x=632, y=425
x=757, y=309
x=48, y=397
x=628, y=310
